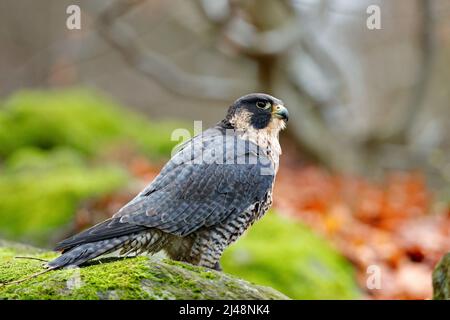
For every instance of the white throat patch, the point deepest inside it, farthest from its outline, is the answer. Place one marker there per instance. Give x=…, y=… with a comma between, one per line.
x=266, y=138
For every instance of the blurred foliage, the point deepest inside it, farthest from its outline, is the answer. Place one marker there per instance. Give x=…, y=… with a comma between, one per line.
x=40, y=191
x=289, y=257
x=80, y=120
x=53, y=147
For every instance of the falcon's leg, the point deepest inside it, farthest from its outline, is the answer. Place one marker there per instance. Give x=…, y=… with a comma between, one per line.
x=179, y=248
x=207, y=249
x=207, y=245
x=218, y=267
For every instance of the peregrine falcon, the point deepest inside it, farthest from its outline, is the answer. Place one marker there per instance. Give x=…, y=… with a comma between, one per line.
x=213, y=188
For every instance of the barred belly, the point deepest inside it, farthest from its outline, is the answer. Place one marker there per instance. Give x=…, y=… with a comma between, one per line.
x=210, y=243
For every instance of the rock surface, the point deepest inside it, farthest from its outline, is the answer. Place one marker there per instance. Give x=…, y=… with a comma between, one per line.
x=127, y=278
x=441, y=279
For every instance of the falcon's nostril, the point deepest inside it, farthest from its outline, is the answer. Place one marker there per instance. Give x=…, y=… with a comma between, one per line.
x=281, y=112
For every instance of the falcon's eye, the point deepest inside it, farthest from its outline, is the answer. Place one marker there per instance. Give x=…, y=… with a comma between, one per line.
x=263, y=105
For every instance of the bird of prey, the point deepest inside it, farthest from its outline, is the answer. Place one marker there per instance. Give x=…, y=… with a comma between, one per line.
x=213, y=188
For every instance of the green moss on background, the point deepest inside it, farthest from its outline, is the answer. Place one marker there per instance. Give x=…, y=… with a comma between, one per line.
x=80, y=120
x=441, y=279
x=133, y=278
x=54, y=148
x=289, y=257
x=40, y=191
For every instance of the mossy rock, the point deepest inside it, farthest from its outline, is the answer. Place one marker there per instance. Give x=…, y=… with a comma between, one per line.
x=128, y=278
x=441, y=279
x=287, y=255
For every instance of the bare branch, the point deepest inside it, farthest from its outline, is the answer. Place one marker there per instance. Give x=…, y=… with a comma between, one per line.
x=243, y=35
x=157, y=67
x=253, y=42
x=313, y=135
x=399, y=134
x=427, y=47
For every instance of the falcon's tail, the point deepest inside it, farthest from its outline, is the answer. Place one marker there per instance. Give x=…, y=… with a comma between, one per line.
x=150, y=240
x=87, y=251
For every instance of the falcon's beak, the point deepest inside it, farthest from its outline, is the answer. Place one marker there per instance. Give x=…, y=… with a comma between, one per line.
x=280, y=112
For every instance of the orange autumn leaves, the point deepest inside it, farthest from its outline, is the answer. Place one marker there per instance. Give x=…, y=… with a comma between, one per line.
x=389, y=224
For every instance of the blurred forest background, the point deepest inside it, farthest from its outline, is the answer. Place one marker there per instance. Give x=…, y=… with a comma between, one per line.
x=365, y=172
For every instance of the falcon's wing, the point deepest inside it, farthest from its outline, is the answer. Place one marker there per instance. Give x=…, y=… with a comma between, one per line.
x=190, y=193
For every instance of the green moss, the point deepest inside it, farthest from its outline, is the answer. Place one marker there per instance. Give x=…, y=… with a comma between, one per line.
x=204, y=273
x=183, y=265
x=208, y=275
x=131, y=278
x=78, y=119
x=119, y=279
x=40, y=191
x=290, y=258
x=441, y=279
x=122, y=278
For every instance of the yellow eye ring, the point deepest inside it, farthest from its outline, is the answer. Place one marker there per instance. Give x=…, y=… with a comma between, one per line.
x=263, y=105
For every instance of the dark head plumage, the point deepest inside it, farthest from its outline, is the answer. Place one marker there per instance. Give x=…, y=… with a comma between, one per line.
x=256, y=110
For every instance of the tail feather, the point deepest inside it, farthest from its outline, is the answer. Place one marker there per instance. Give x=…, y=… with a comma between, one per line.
x=151, y=240
x=87, y=251
x=106, y=230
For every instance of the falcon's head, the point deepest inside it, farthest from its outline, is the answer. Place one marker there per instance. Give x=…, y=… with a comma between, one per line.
x=257, y=111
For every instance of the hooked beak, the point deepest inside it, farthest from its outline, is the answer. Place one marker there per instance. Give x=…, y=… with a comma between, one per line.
x=280, y=112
